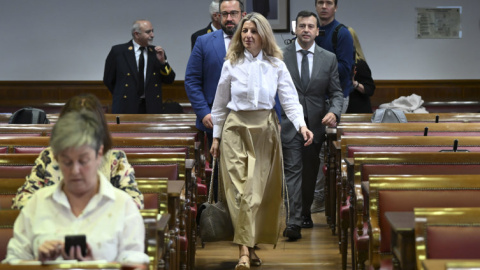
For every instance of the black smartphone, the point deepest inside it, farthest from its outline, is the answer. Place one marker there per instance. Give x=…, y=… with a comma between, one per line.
x=76, y=240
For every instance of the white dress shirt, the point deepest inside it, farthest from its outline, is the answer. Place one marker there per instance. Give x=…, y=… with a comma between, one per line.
x=111, y=221
x=252, y=84
x=298, y=48
x=136, y=48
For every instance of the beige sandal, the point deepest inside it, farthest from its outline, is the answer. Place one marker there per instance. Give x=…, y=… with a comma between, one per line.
x=243, y=265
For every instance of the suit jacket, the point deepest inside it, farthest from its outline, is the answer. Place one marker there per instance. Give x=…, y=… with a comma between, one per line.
x=121, y=78
x=203, y=73
x=324, y=81
x=201, y=32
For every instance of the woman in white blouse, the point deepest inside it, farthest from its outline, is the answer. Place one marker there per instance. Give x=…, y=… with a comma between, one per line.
x=246, y=133
x=82, y=203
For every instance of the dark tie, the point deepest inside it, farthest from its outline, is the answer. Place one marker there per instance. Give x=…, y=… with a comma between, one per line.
x=305, y=72
x=141, y=69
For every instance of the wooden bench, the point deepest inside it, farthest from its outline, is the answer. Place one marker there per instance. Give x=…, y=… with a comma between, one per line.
x=365, y=164
x=346, y=197
x=380, y=129
x=406, y=192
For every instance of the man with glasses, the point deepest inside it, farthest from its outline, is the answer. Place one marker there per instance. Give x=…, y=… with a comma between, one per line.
x=205, y=65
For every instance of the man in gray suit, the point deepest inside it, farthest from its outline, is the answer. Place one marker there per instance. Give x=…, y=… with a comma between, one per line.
x=314, y=72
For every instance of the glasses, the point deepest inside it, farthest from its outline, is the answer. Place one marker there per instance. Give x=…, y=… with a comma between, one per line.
x=234, y=14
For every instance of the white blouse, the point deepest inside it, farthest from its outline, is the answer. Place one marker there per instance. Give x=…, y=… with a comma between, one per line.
x=111, y=221
x=252, y=85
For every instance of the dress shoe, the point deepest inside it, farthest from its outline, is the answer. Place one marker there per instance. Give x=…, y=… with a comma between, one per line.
x=292, y=232
x=307, y=222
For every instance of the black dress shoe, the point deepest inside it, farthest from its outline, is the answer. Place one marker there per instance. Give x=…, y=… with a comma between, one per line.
x=307, y=222
x=292, y=232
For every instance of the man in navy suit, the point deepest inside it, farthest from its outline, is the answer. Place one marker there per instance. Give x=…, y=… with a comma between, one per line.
x=205, y=66
x=134, y=72
x=206, y=61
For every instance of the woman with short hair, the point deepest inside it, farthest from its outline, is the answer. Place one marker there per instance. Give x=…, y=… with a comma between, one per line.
x=82, y=203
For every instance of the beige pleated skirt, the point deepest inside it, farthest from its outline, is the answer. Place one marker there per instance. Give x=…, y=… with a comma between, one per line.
x=252, y=171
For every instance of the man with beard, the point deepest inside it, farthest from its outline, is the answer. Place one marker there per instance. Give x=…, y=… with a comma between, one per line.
x=134, y=72
x=205, y=66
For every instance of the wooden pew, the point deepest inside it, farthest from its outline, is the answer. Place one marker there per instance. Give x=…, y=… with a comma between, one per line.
x=406, y=192
x=346, y=197
x=365, y=164
x=156, y=231
x=380, y=129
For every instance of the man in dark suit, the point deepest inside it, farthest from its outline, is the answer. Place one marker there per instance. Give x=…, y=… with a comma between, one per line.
x=314, y=72
x=214, y=25
x=134, y=72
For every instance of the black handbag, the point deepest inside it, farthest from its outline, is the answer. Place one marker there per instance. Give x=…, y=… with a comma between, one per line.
x=215, y=222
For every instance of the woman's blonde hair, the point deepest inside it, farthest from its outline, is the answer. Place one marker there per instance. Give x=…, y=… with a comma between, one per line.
x=358, y=48
x=270, y=48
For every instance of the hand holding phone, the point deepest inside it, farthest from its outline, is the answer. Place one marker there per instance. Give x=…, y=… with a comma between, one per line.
x=74, y=241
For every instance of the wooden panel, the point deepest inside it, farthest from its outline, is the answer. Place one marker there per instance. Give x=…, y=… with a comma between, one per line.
x=34, y=93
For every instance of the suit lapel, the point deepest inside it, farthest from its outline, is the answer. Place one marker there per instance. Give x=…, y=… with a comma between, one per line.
x=291, y=63
x=219, y=45
x=150, y=63
x=317, y=62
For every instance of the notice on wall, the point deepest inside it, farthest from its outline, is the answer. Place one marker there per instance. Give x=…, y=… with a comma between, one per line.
x=441, y=22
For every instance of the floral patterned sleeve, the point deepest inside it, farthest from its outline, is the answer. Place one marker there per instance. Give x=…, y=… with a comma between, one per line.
x=122, y=176
x=45, y=172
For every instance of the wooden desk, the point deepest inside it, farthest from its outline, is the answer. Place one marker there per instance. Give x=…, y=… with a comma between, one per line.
x=450, y=264
x=402, y=239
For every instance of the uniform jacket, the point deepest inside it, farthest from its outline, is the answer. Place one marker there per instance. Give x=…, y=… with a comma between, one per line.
x=121, y=78
x=201, y=32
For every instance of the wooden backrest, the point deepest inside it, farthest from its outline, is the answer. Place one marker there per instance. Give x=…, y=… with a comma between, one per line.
x=406, y=192
x=352, y=144
x=434, y=129
x=155, y=193
x=7, y=219
x=16, y=165
x=471, y=160
x=8, y=190
x=416, y=117
x=447, y=233
x=170, y=165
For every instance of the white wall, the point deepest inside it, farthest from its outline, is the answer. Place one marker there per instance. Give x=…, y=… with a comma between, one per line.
x=69, y=39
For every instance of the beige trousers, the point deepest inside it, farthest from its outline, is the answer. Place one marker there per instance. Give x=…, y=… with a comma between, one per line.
x=252, y=171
